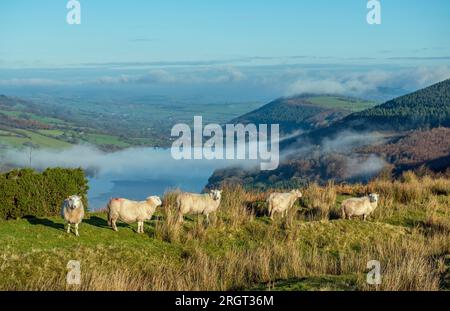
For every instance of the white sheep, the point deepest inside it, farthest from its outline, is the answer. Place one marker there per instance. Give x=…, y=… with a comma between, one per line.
x=282, y=202
x=196, y=204
x=73, y=212
x=359, y=206
x=132, y=211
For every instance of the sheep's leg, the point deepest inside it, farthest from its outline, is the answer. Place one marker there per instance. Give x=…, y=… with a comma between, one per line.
x=180, y=218
x=364, y=217
x=76, y=230
x=207, y=219
x=68, y=228
x=114, y=226
x=140, y=227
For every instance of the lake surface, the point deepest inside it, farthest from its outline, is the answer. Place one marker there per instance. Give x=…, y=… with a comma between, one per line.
x=193, y=177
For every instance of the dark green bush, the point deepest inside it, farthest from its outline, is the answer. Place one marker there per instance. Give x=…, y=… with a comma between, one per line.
x=25, y=192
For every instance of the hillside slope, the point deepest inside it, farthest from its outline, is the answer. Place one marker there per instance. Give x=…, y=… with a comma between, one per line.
x=304, y=112
x=424, y=109
x=430, y=148
x=337, y=151
x=310, y=249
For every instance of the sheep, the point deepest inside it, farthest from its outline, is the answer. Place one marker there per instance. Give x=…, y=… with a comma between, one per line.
x=195, y=204
x=132, y=211
x=360, y=206
x=73, y=212
x=282, y=202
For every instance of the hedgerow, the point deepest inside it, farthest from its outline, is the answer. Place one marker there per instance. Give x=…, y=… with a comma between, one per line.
x=25, y=192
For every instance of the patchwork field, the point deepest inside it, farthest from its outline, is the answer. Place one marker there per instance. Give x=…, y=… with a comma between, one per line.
x=109, y=125
x=19, y=138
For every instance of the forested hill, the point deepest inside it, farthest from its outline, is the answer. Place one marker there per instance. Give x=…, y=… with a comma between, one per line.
x=424, y=109
x=429, y=107
x=304, y=112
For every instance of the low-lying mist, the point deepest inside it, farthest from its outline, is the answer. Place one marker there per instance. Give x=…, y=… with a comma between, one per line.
x=137, y=161
x=341, y=155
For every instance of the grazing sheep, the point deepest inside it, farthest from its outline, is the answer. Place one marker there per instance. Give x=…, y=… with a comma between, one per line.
x=195, y=204
x=73, y=212
x=282, y=202
x=359, y=206
x=132, y=211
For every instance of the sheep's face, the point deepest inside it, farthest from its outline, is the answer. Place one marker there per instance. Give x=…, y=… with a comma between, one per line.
x=374, y=197
x=156, y=200
x=73, y=201
x=216, y=195
x=297, y=193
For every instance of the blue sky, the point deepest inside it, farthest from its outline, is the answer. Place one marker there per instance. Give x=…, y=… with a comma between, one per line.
x=35, y=33
x=224, y=50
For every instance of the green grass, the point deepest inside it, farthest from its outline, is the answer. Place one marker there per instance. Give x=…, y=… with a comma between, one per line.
x=20, y=137
x=341, y=103
x=102, y=139
x=34, y=247
x=32, y=116
x=53, y=133
x=5, y=133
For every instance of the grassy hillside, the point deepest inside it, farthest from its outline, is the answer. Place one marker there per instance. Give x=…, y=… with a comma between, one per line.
x=311, y=249
x=340, y=102
x=305, y=112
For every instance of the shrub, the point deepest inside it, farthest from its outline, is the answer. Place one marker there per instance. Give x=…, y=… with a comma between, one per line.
x=28, y=193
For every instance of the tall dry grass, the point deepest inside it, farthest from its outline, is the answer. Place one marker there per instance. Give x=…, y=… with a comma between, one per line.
x=235, y=208
x=320, y=201
x=407, y=265
x=169, y=229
